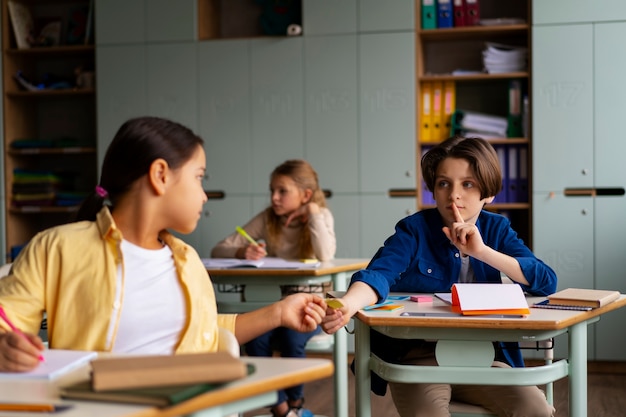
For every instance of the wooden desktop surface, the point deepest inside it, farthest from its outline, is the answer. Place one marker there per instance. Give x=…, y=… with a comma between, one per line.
x=270, y=374
x=539, y=319
x=325, y=268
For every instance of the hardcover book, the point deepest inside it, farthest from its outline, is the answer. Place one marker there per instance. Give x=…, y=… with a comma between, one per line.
x=22, y=22
x=157, y=396
x=583, y=297
x=127, y=372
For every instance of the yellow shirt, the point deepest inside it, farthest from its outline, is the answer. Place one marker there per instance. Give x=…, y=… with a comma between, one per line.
x=70, y=271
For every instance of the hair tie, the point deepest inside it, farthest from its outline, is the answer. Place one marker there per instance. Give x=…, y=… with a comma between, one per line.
x=101, y=192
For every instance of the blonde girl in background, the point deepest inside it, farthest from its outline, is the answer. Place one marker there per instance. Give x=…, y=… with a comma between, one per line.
x=297, y=225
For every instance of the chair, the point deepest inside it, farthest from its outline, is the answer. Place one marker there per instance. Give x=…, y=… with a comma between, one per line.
x=459, y=409
x=227, y=342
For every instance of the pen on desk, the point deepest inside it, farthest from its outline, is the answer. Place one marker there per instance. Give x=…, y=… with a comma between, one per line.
x=15, y=329
x=246, y=235
x=26, y=407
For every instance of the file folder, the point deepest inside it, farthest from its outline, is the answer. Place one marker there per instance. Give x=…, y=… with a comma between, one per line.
x=426, y=113
x=449, y=105
x=429, y=14
x=444, y=14
x=513, y=174
x=427, y=196
x=501, y=151
x=437, y=110
x=459, y=13
x=522, y=190
x=514, y=127
x=472, y=12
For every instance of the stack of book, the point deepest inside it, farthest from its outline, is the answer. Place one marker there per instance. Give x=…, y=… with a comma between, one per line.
x=499, y=58
x=34, y=188
x=159, y=380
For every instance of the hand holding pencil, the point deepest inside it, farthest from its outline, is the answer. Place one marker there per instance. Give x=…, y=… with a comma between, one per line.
x=19, y=352
x=255, y=250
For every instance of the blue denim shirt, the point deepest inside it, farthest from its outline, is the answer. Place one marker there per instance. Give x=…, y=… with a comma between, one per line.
x=419, y=258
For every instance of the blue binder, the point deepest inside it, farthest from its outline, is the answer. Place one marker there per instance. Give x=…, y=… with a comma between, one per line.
x=445, y=16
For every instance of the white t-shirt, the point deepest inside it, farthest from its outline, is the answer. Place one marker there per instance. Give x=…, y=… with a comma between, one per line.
x=153, y=304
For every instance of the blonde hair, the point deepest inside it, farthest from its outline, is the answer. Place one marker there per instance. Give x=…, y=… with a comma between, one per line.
x=305, y=178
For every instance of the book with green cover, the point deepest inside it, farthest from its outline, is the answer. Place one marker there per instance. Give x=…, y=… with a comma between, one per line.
x=156, y=396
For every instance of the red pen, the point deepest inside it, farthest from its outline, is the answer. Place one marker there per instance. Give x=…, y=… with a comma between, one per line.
x=15, y=329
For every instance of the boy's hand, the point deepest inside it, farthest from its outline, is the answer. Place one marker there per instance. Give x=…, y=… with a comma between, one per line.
x=465, y=236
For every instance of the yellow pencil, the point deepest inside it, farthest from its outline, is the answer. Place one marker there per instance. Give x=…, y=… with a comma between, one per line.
x=246, y=235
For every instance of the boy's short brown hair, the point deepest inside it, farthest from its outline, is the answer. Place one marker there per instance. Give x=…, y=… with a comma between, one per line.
x=481, y=156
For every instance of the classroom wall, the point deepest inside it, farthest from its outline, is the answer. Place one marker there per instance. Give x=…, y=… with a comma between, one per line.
x=341, y=96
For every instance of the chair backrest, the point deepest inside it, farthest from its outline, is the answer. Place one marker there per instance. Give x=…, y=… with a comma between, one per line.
x=4, y=270
x=227, y=342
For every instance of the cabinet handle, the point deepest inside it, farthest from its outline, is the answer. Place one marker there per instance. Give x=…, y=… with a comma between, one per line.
x=579, y=192
x=402, y=192
x=215, y=194
x=328, y=193
x=594, y=192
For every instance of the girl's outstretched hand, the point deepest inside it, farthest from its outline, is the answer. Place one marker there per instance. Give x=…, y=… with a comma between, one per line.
x=302, y=312
x=19, y=353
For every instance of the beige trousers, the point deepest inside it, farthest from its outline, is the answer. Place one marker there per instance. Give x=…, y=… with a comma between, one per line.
x=432, y=400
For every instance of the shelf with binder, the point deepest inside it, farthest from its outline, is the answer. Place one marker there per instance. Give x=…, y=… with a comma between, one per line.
x=480, y=63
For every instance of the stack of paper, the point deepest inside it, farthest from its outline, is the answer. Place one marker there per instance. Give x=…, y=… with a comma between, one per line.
x=499, y=58
x=479, y=124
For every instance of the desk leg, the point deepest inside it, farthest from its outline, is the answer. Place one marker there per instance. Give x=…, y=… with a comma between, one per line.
x=340, y=356
x=362, y=375
x=578, y=370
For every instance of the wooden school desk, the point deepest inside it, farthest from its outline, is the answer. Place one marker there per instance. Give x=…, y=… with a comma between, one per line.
x=254, y=391
x=262, y=286
x=472, y=336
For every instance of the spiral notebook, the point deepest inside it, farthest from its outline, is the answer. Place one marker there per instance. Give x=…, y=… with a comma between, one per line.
x=546, y=304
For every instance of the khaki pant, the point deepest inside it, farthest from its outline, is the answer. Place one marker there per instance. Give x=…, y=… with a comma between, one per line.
x=432, y=400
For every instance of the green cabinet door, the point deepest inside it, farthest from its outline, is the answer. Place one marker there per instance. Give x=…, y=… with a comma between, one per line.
x=276, y=105
x=387, y=111
x=562, y=67
x=610, y=172
x=121, y=86
x=563, y=230
x=577, y=11
x=224, y=114
x=331, y=110
x=171, y=82
x=326, y=17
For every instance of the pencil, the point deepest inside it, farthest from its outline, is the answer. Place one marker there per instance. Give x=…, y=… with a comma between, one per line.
x=246, y=235
x=26, y=407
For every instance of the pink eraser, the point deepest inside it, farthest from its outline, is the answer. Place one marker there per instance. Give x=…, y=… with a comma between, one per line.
x=421, y=299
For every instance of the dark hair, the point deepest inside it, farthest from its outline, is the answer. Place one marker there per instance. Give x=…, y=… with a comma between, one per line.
x=481, y=156
x=138, y=143
x=305, y=177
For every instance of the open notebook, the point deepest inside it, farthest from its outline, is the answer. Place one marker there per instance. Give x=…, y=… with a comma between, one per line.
x=56, y=362
x=264, y=263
